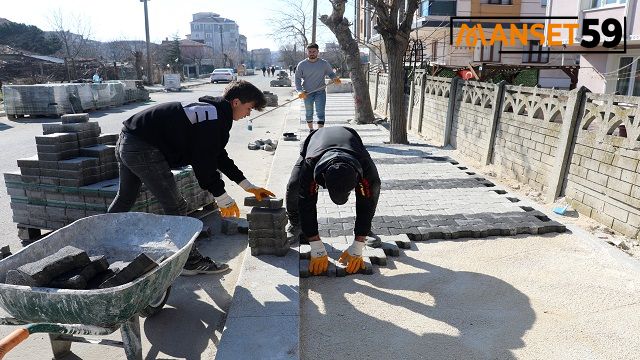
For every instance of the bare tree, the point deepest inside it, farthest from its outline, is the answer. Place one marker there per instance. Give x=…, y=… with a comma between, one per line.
x=195, y=55
x=290, y=54
x=74, y=34
x=292, y=24
x=377, y=51
x=337, y=23
x=394, y=20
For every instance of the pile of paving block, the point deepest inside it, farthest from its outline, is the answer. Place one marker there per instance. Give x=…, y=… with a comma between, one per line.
x=384, y=246
x=72, y=268
x=267, y=222
x=59, y=99
x=75, y=174
x=272, y=99
x=5, y=252
x=264, y=144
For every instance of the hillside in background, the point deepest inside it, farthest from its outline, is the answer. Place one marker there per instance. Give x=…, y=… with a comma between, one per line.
x=28, y=38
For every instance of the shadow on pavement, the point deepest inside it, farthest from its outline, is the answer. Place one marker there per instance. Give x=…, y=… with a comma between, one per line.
x=446, y=314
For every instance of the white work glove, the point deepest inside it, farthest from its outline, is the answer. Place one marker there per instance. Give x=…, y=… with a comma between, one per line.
x=227, y=205
x=352, y=257
x=258, y=192
x=319, y=262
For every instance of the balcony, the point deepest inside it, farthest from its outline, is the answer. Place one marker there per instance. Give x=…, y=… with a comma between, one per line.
x=438, y=8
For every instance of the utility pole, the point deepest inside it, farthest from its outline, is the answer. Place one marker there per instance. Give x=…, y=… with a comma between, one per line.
x=146, y=28
x=224, y=58
x=315, y=16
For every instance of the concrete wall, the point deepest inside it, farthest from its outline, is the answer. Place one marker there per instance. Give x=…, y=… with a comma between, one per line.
x=604, y=176
x=473, y=115
x=527, y=133
x=562, y=143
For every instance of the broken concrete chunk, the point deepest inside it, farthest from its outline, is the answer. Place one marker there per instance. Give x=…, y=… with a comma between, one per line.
x=138, y=267
x=52, y=266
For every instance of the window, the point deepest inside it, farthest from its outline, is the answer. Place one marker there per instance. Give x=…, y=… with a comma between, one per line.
x=601, y=3
x=543, y=3
x=628, y=77
x=434, y=50
x=438, y=8
x=489, y=53
x=536, y=54
x=497, y=2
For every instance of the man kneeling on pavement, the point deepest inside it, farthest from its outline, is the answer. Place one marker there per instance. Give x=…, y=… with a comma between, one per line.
x=336, y=159
x=173, y=135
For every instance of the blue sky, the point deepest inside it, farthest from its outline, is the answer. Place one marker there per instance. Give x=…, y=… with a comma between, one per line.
x=124, y=19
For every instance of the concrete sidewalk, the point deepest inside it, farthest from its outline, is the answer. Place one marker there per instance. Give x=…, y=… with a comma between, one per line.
x=475, y=290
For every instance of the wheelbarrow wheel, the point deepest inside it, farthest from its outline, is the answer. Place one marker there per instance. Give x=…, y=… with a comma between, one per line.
x=156, y=305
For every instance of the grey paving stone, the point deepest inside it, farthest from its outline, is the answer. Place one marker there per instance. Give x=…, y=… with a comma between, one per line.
x=41, y=272
x=229, y=227
x=75, y=118
x=55, y=138
x=267, y=250
x=136, y=268
x=267, y=203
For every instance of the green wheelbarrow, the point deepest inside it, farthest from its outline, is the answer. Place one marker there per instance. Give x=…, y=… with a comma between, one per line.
x=64, y=314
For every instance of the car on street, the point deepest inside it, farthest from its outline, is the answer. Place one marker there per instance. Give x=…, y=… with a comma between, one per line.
x=223, y=74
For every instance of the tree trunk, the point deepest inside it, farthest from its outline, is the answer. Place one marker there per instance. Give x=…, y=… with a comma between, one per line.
x=339, y=26
x=397, y=109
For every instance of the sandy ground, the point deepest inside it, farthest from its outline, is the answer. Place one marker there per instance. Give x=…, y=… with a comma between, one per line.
x=524, y=297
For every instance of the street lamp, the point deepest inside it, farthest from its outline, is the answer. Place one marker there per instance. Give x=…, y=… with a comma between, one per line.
x=146, y=28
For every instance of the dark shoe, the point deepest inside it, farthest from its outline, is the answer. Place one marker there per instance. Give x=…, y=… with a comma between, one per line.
x=373, y=241
x=203, y=265
x=294, y=233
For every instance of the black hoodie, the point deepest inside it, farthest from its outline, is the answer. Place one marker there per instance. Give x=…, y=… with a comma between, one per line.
x=344, y=140
x=199, y=143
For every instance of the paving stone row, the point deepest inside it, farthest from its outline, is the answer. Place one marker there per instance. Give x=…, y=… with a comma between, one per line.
x=432, y=197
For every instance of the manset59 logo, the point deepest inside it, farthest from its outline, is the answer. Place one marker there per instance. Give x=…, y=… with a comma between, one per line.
x=513, y=31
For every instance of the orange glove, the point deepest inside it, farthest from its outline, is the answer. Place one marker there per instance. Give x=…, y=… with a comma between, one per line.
x=302, y=95
x=258, y=192
x=231, y=211
x=352, y=257
x=227, y=206
x=319, y=259
x=337, y=81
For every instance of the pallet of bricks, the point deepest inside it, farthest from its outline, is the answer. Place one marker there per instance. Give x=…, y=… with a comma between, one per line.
x=74, y=175
x=59, y=99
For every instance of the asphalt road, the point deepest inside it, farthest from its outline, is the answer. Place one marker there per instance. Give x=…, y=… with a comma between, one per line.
x=191, y=323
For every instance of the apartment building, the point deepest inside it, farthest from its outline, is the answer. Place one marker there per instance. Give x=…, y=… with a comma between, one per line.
x=222, y=35
x=605, y=72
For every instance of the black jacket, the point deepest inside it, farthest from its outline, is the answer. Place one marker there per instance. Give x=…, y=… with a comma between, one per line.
x=199, y=143
x=368, y=189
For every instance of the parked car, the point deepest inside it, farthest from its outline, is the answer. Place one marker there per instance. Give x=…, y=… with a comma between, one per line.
x=223, y=74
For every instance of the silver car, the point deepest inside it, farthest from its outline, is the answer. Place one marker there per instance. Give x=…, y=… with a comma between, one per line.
x=223, y=75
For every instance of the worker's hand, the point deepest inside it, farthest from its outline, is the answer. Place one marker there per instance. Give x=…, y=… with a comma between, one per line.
x=302, y=95
x=231, y=211
x=258, y=192
x=337, y=81
x=227, y=206
x=352, y=257
x=319, y=259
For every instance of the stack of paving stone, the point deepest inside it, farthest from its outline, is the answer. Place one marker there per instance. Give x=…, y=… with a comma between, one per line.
x=58, y=99
x=267, y=221
x=272, y=99
x=75, y=175
x=72, y=268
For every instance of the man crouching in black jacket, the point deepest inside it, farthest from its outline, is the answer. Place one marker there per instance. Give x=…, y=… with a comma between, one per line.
x=336, y=159
x=173, y=135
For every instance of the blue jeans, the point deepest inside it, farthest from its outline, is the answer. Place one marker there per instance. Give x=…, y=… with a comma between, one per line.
x=320, y=100
x=140, y=162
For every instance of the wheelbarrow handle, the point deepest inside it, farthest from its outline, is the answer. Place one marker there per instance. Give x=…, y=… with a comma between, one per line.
x=12, y=340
